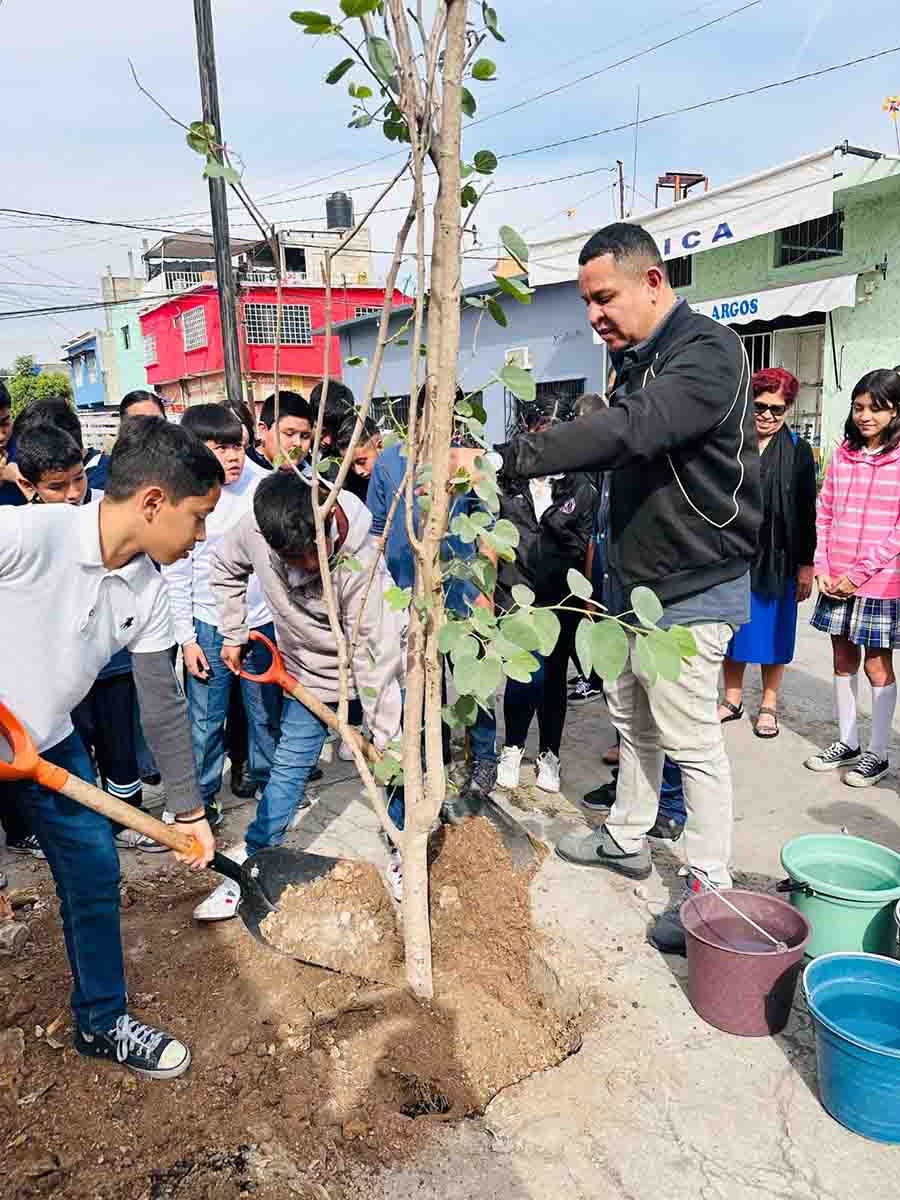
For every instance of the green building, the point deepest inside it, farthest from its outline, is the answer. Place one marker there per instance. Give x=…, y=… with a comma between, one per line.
x=803, y=261
x=123, y=342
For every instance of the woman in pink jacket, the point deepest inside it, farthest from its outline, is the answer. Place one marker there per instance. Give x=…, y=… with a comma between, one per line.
x=858, y=573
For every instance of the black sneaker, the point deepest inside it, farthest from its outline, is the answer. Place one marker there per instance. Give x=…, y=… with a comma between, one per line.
x=838, y=754
x=665, y=830
x=214, y=813
x=584, y=692
x=667, y=931
x=868, y=771
x=241, y=785
x=601, y=799
x=139, y=1047
x=26, y=845
x=315, y=775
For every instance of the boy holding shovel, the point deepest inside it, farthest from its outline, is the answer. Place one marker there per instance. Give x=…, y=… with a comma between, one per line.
x=277, y=543
x=77, y=585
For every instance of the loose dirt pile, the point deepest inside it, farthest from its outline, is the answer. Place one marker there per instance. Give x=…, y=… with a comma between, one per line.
x=301, y=1077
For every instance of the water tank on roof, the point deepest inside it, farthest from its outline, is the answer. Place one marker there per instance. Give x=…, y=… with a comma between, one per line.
x=339, y=211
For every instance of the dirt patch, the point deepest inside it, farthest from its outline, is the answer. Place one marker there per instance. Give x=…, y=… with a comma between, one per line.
x=301, y=1077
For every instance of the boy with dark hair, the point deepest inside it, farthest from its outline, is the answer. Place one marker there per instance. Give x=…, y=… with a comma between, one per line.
x=51, y=466
x=277, y=543
x=339, y=405
x=196, y=622
x=76, y=587
x=292, y=432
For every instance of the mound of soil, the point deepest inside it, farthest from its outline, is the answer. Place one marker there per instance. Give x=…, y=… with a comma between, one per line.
x=301, y=1076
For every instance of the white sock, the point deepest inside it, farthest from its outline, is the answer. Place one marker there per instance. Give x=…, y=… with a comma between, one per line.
x=846, y=688
x=884, y=701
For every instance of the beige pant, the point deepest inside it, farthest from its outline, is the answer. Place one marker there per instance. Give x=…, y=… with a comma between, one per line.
x=679, y=719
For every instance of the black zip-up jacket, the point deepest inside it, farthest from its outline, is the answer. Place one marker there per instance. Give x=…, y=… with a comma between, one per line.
x=680, y=439
x=548, y=547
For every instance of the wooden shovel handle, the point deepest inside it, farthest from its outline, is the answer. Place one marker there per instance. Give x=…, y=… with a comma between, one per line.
x=125, y=814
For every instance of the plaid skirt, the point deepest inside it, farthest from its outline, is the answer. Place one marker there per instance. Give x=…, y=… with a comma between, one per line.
x=865, y=622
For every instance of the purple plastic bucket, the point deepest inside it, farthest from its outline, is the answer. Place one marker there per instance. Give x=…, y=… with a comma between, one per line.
x=737, y=980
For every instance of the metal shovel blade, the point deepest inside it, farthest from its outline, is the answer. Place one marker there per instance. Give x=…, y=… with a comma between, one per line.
x=266, y=874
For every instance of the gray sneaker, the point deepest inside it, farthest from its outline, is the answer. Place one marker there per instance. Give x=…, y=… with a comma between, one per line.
x=600, y=849
x=666, y=933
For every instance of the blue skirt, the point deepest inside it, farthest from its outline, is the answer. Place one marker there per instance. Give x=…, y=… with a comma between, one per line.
x=771, y=633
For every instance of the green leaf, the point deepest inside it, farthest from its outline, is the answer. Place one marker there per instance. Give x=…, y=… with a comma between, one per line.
x=475, y=301
x=467, y=197
x=466, y=647
x=484, y=573
x=389, y=769
x=484, y=69
x=521, y=666
x=485, y=162
x=546, y=626
x=358, y=8
x=684, y=640
x=450, y=719
x=449, y=634
x=504, y=647
x=584, y=646
x=359, y=91
x=519, y=382
x=465, y=170
x=578, y=585
x=398, y=598
x=360, y=122
x=483, y=621
x=609, y=649
x=496, y=310
x=523, y=595
x=336, y=74
x=520, y=630
x=467, y=102
x=488, y=676
x=646, y=606
x=352, y=564
x=515, y=288
x=380, y=53
x=463, y=528
x=486, y=491
x=481, y=519
x=216, y=170
x=514, y=244
x=465, y=676
x=370, y=693
x=645, y=659
x=356, y=361
x=666, y=654
x=466, y=709
x=490, y=20
x=314, y=22
x=505, y=532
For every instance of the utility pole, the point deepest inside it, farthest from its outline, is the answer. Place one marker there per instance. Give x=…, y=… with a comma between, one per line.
x=218, y=203
x=621, y=168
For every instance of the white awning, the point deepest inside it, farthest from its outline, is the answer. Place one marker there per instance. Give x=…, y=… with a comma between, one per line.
x=774, y=199
x=821, y=295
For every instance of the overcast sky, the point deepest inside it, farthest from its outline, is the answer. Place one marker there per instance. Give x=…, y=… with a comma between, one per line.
x=78, y=138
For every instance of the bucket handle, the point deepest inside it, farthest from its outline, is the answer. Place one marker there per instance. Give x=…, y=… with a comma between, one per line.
x=790, y=886
x=776, y=942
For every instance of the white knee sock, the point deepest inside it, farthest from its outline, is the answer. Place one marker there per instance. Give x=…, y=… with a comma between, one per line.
x=884, y=701
x=846, y=689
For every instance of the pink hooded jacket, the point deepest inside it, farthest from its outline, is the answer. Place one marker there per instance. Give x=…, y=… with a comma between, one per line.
x=858, y=522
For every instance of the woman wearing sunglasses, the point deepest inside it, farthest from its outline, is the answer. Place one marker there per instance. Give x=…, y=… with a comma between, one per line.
x=782, y=569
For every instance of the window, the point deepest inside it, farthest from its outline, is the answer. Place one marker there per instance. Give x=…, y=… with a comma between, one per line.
x=368, y=310
x=759, y=350
x=296, y=329
x=193, y=326
x=178, y=281
x=513, y=408
x=681, y=271
x=811, y=240
x=388, y=411
x=79, y=372
x=126, y=338
x=295, y=260
x=150, y=349
x=91, y=367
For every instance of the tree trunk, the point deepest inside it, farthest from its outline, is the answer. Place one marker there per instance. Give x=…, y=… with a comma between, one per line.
x=416, y=922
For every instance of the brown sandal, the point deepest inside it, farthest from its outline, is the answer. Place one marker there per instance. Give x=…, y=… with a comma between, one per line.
x=736, y=710
x=771, y=733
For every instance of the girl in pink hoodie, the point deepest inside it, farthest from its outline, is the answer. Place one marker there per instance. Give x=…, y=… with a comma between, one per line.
x=858, y=573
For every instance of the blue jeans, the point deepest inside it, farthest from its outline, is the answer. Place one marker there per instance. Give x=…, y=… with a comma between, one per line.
x=208, y=708
x=82, y=855
x=296, y=754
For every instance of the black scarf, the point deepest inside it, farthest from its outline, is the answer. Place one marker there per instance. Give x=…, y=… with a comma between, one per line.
x=773, y=564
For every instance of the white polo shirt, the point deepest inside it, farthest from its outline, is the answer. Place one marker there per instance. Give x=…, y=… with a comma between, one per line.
x=63, y=615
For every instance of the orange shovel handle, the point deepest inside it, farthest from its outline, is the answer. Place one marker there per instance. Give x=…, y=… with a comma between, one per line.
x=26, y=763
x=275, y=672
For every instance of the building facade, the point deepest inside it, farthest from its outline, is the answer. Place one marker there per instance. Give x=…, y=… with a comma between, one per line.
x=123, y=347
x=84, y=358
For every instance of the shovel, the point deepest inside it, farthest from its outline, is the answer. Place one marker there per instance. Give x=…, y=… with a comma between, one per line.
x=262, y=878
x=513, y=835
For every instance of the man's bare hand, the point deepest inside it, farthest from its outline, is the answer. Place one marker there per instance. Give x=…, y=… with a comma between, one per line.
x=232, y=657
x=195, y=661
x=205, y=842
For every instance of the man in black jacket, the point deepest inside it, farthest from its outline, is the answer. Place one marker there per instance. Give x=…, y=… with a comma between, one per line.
x=679, y=438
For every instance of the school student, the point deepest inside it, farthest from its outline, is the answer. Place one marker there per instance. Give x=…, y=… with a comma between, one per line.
x=276, y=543
x=196, y=622
x=138, y=403
x=857, y=568
x=291, y=435
x=76, y=586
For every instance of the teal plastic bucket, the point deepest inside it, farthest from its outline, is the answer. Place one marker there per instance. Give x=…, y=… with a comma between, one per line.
x=854, y=1001
x=846, y=887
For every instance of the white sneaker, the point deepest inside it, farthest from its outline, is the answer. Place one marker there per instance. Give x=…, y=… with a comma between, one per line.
x=547, y=771
x=130, y=839
x=168, y=818
x=223, y=903
x=345, y=754
x=395, y=875
x=509, y=765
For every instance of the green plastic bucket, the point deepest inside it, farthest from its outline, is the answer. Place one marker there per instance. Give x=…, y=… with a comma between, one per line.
x=846, y=887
